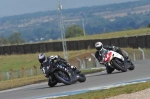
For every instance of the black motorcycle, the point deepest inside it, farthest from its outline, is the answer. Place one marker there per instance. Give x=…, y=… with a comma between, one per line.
x=60, y=73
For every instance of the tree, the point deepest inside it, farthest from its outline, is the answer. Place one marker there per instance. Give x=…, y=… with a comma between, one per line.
x=3, y=41
x=15, y=38
x=148, y=25
x=74, y=31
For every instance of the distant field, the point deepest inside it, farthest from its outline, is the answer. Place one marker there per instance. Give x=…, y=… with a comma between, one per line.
x=126, y=33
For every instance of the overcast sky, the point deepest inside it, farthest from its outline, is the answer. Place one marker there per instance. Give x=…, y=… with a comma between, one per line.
x=17, y=7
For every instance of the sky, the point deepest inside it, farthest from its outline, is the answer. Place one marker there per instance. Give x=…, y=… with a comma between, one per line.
x=17, y=7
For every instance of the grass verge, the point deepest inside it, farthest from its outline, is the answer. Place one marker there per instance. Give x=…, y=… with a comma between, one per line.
x=13, y=83
x=102, y=94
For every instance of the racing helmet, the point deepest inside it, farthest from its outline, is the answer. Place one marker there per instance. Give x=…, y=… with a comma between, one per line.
x=99, y=46
x=41, y=58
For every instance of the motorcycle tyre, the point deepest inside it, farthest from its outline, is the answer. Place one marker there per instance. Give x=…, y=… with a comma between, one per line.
x=119, y=67
x=61, y=79
x=51, y=84
x=82, y=78
x=131, y=66
x=109, y=70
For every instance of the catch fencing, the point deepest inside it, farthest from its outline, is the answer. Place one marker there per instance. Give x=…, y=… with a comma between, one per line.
x=89, y=62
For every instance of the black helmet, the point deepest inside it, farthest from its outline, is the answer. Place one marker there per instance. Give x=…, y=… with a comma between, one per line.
x=41, y=58
x=99, y=46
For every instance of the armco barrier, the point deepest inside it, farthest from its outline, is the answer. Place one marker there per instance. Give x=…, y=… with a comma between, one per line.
x=57, y=46
x=123, y=42
x=1, y=50
x=13, y=49
x=89, y=44
x=106, y=41
x=27, y=48
x=6, y=50
x=35, y=48
x=141, y=41
x=49, y=46
x=42, y=47
x=148, y=40
x=132, y=41
x=114, y=42
x=72, y=45
x=20, y=49
x=81, y=44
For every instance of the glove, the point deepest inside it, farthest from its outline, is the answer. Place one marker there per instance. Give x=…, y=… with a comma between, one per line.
x=68, y=64
x=113, y=48
x=56, y=56
x=73, y=67
x=52, y=57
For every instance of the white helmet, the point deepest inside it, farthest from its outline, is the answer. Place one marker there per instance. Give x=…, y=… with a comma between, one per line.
x=99, y=46
x=41, y=58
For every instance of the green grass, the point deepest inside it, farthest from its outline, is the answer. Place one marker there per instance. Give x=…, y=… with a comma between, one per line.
x=28, y=60
x=102, y=94
x=13, y=83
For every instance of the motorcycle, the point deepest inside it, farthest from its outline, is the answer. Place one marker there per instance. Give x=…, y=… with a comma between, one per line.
x=114, y=60
x=63, y=74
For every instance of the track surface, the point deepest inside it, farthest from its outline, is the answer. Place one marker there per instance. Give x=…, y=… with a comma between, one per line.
x=142, y=70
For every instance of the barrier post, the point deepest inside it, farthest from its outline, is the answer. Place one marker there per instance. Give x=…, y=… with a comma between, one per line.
x=0, y=76
x=11, y=73
x=35, y=68
x=23, y=71
x=143, y=54
x=81, y=65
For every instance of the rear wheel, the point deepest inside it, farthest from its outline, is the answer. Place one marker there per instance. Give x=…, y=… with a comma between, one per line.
x=131, y=66
x=109, y=70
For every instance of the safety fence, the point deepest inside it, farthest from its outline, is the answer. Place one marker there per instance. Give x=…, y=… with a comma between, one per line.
x=87, y=63
x=133, y=42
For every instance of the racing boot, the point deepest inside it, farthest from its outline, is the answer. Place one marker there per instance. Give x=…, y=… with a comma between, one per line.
x=127, y=58
x=74, y=68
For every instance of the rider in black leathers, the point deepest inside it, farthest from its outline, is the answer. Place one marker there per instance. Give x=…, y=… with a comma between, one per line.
x=49, y=62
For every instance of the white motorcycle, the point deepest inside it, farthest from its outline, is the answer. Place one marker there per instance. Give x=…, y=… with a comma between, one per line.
x=114, y=60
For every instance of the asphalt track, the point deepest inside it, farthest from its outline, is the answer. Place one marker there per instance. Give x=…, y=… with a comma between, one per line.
x=142, y=70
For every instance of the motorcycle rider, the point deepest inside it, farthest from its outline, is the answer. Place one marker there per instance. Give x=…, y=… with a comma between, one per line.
x=100, y=49
x=50, y=60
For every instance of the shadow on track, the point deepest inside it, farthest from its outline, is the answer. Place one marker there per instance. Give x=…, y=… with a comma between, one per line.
x=117, y=72
x=47, y=87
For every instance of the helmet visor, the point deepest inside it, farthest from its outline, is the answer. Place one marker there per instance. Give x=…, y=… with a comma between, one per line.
x=99, y=48
x=42, y=60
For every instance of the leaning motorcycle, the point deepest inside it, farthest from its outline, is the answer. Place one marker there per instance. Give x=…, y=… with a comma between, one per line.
x=63, y=74
x=114, y=60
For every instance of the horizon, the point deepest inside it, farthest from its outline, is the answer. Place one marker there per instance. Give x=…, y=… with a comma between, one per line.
x=17, y=7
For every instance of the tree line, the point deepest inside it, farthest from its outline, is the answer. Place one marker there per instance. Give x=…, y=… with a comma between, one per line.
x=14, y=38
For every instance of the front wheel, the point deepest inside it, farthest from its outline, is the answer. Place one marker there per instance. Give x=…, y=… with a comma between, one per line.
x=82, y=78
x=51, y=82
x=119, y=65
x=63, y=77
